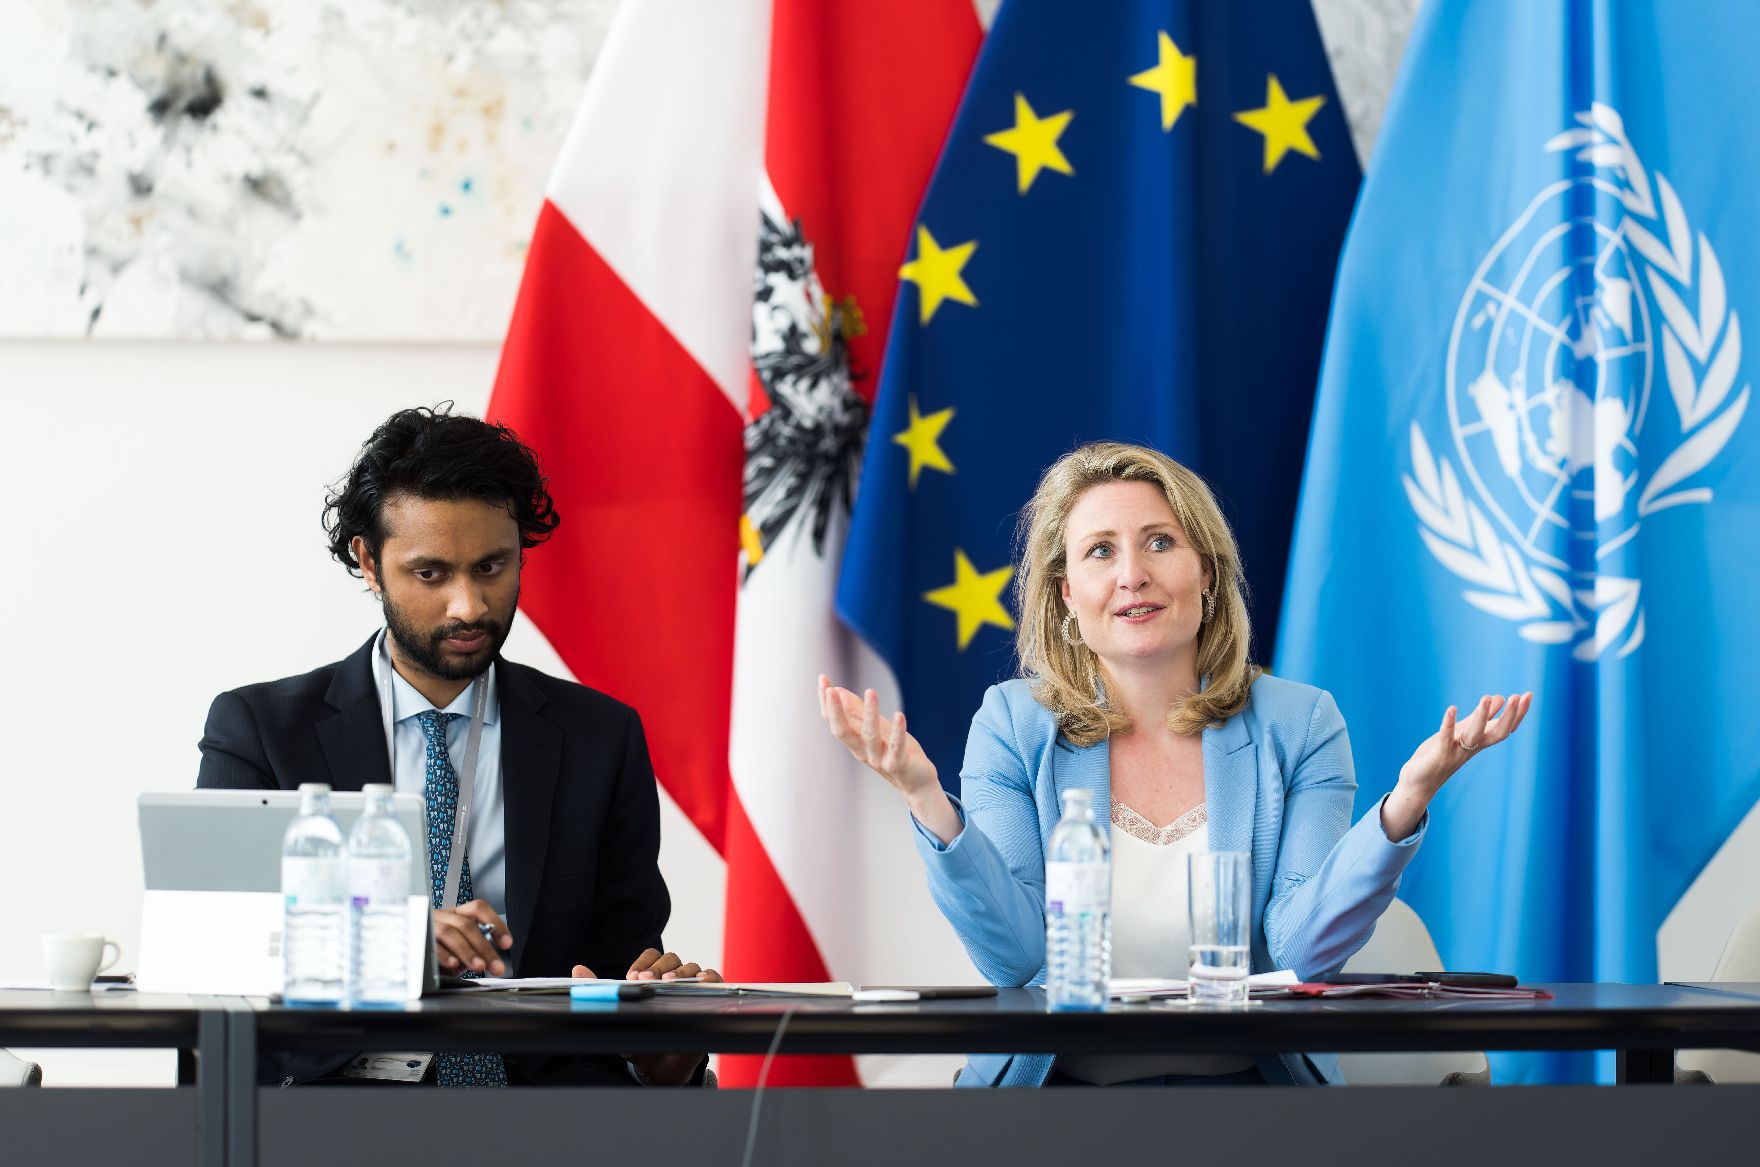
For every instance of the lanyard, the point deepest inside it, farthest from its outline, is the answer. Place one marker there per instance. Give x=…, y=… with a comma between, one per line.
x=467, y=771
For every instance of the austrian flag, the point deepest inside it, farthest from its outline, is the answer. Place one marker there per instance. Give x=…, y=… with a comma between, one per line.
x=694, y=355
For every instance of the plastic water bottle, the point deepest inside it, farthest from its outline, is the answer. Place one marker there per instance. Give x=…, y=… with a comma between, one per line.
x=1078, y=908
x=378, y=902
x=314, y=874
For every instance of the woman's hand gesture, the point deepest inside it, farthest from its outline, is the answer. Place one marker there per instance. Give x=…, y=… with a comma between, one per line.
x=1454, y=744
x=881, y=744
x=1438, y=756
x=885, y=746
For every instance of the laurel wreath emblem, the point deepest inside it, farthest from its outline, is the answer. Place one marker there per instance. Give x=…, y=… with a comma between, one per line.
x=1702, y=353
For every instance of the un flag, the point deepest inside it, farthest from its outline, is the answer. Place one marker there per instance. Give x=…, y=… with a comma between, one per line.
x=1531, y=467
x=1131, y=234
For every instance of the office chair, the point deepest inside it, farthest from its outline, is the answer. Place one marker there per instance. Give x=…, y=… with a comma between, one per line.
x=14, y=1072
x=1740, y=962
x=1401, y=944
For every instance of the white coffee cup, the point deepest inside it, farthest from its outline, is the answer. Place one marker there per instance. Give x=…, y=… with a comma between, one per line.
x=74, y=959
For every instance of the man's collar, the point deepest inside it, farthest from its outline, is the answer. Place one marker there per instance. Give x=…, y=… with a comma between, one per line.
x=407, y=702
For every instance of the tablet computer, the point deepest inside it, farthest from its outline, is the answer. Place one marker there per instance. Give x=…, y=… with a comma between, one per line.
x=211, y=914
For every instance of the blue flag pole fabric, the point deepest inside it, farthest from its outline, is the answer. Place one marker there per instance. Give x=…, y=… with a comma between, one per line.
x=1131, y=235
x=1531, y=467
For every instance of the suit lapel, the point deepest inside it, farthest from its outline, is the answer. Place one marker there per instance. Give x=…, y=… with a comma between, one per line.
x=1231, y=784
x=531, y=759
x=1082, y=768
x=353, y=739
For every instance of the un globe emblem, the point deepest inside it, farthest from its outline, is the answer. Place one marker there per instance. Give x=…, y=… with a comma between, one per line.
x=1600, y=296
x=1549, y=378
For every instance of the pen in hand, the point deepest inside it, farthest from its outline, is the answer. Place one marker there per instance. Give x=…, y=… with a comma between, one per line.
x=488, y=931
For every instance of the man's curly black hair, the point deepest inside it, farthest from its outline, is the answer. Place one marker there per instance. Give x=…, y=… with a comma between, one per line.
x=432, y=454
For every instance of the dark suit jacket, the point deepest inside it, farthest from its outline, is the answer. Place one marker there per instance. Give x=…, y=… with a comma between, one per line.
x=582, y=815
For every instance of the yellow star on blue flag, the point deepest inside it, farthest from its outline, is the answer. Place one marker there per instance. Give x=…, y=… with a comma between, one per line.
x=1033, y=142
x=1283, y=123
x=922, y=439
x=937, y=272
x=974, y=596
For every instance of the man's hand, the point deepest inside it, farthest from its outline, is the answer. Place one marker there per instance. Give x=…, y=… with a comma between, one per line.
x=666, y=966
x=467, y=938
x=661, y=1069
x=655, y=965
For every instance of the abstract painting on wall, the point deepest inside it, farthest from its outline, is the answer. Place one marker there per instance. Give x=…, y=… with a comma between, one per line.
x=317, y=169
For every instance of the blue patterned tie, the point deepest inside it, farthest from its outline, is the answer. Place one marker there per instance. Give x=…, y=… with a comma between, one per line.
x=440, y=789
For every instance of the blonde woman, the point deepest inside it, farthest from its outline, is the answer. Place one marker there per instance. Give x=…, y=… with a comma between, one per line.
x=1136, y=686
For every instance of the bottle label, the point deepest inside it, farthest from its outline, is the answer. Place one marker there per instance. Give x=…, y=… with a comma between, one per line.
x=1077, y=887
x=378, y=881
x=312, y=881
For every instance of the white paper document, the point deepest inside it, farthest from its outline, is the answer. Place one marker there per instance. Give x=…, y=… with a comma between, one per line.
x=679, y=986
x=538, y=984
x=1150, y=988
x=754, y=988
x=46, y=987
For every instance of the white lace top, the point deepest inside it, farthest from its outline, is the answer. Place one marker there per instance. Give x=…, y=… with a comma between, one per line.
x=1151, y=932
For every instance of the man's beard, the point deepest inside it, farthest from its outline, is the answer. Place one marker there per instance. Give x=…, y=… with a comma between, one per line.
x=426, y=651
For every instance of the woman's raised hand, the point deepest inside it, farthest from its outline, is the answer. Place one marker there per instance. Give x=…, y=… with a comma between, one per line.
x=1455, y=742
x=1438, y=756
x=887, y=748
x=880, y=743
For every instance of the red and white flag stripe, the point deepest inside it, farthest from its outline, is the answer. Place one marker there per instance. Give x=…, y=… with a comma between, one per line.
x=629, y=366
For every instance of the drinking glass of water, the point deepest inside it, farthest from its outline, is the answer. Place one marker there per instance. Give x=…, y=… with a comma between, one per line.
x=1218, y=891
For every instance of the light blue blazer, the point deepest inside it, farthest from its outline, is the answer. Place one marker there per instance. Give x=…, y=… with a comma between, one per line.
x=1278, y=783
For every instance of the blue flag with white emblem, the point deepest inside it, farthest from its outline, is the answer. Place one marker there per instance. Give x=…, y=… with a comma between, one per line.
x=1131, y=235
x=1531, y=467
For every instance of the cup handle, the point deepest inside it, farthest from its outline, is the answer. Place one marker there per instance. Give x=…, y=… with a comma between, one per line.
x=108, y=946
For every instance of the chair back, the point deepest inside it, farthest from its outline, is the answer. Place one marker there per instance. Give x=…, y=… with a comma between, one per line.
x=17, y=1072
x=1401, y=944
x=1741, y=953
x=1740, y=962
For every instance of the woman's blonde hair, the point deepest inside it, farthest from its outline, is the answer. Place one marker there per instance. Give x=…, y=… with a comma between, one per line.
x=1068, y=678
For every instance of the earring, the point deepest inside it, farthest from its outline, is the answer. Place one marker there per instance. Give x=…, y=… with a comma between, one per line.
x=1072, y=641
x=1209, y=606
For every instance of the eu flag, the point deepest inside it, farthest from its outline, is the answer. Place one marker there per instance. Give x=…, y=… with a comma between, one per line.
x=1131, y=234
x=1531, y=468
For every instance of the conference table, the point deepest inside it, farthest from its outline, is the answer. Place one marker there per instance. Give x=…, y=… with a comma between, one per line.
x=224, y=1117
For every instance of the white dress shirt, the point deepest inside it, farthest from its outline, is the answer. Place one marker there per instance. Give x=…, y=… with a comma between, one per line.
x=486, y=846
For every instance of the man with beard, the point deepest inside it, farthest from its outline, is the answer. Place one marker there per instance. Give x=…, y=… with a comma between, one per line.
x=559, y=870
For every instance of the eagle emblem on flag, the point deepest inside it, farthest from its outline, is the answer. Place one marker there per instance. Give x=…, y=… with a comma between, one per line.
x=803, y=452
